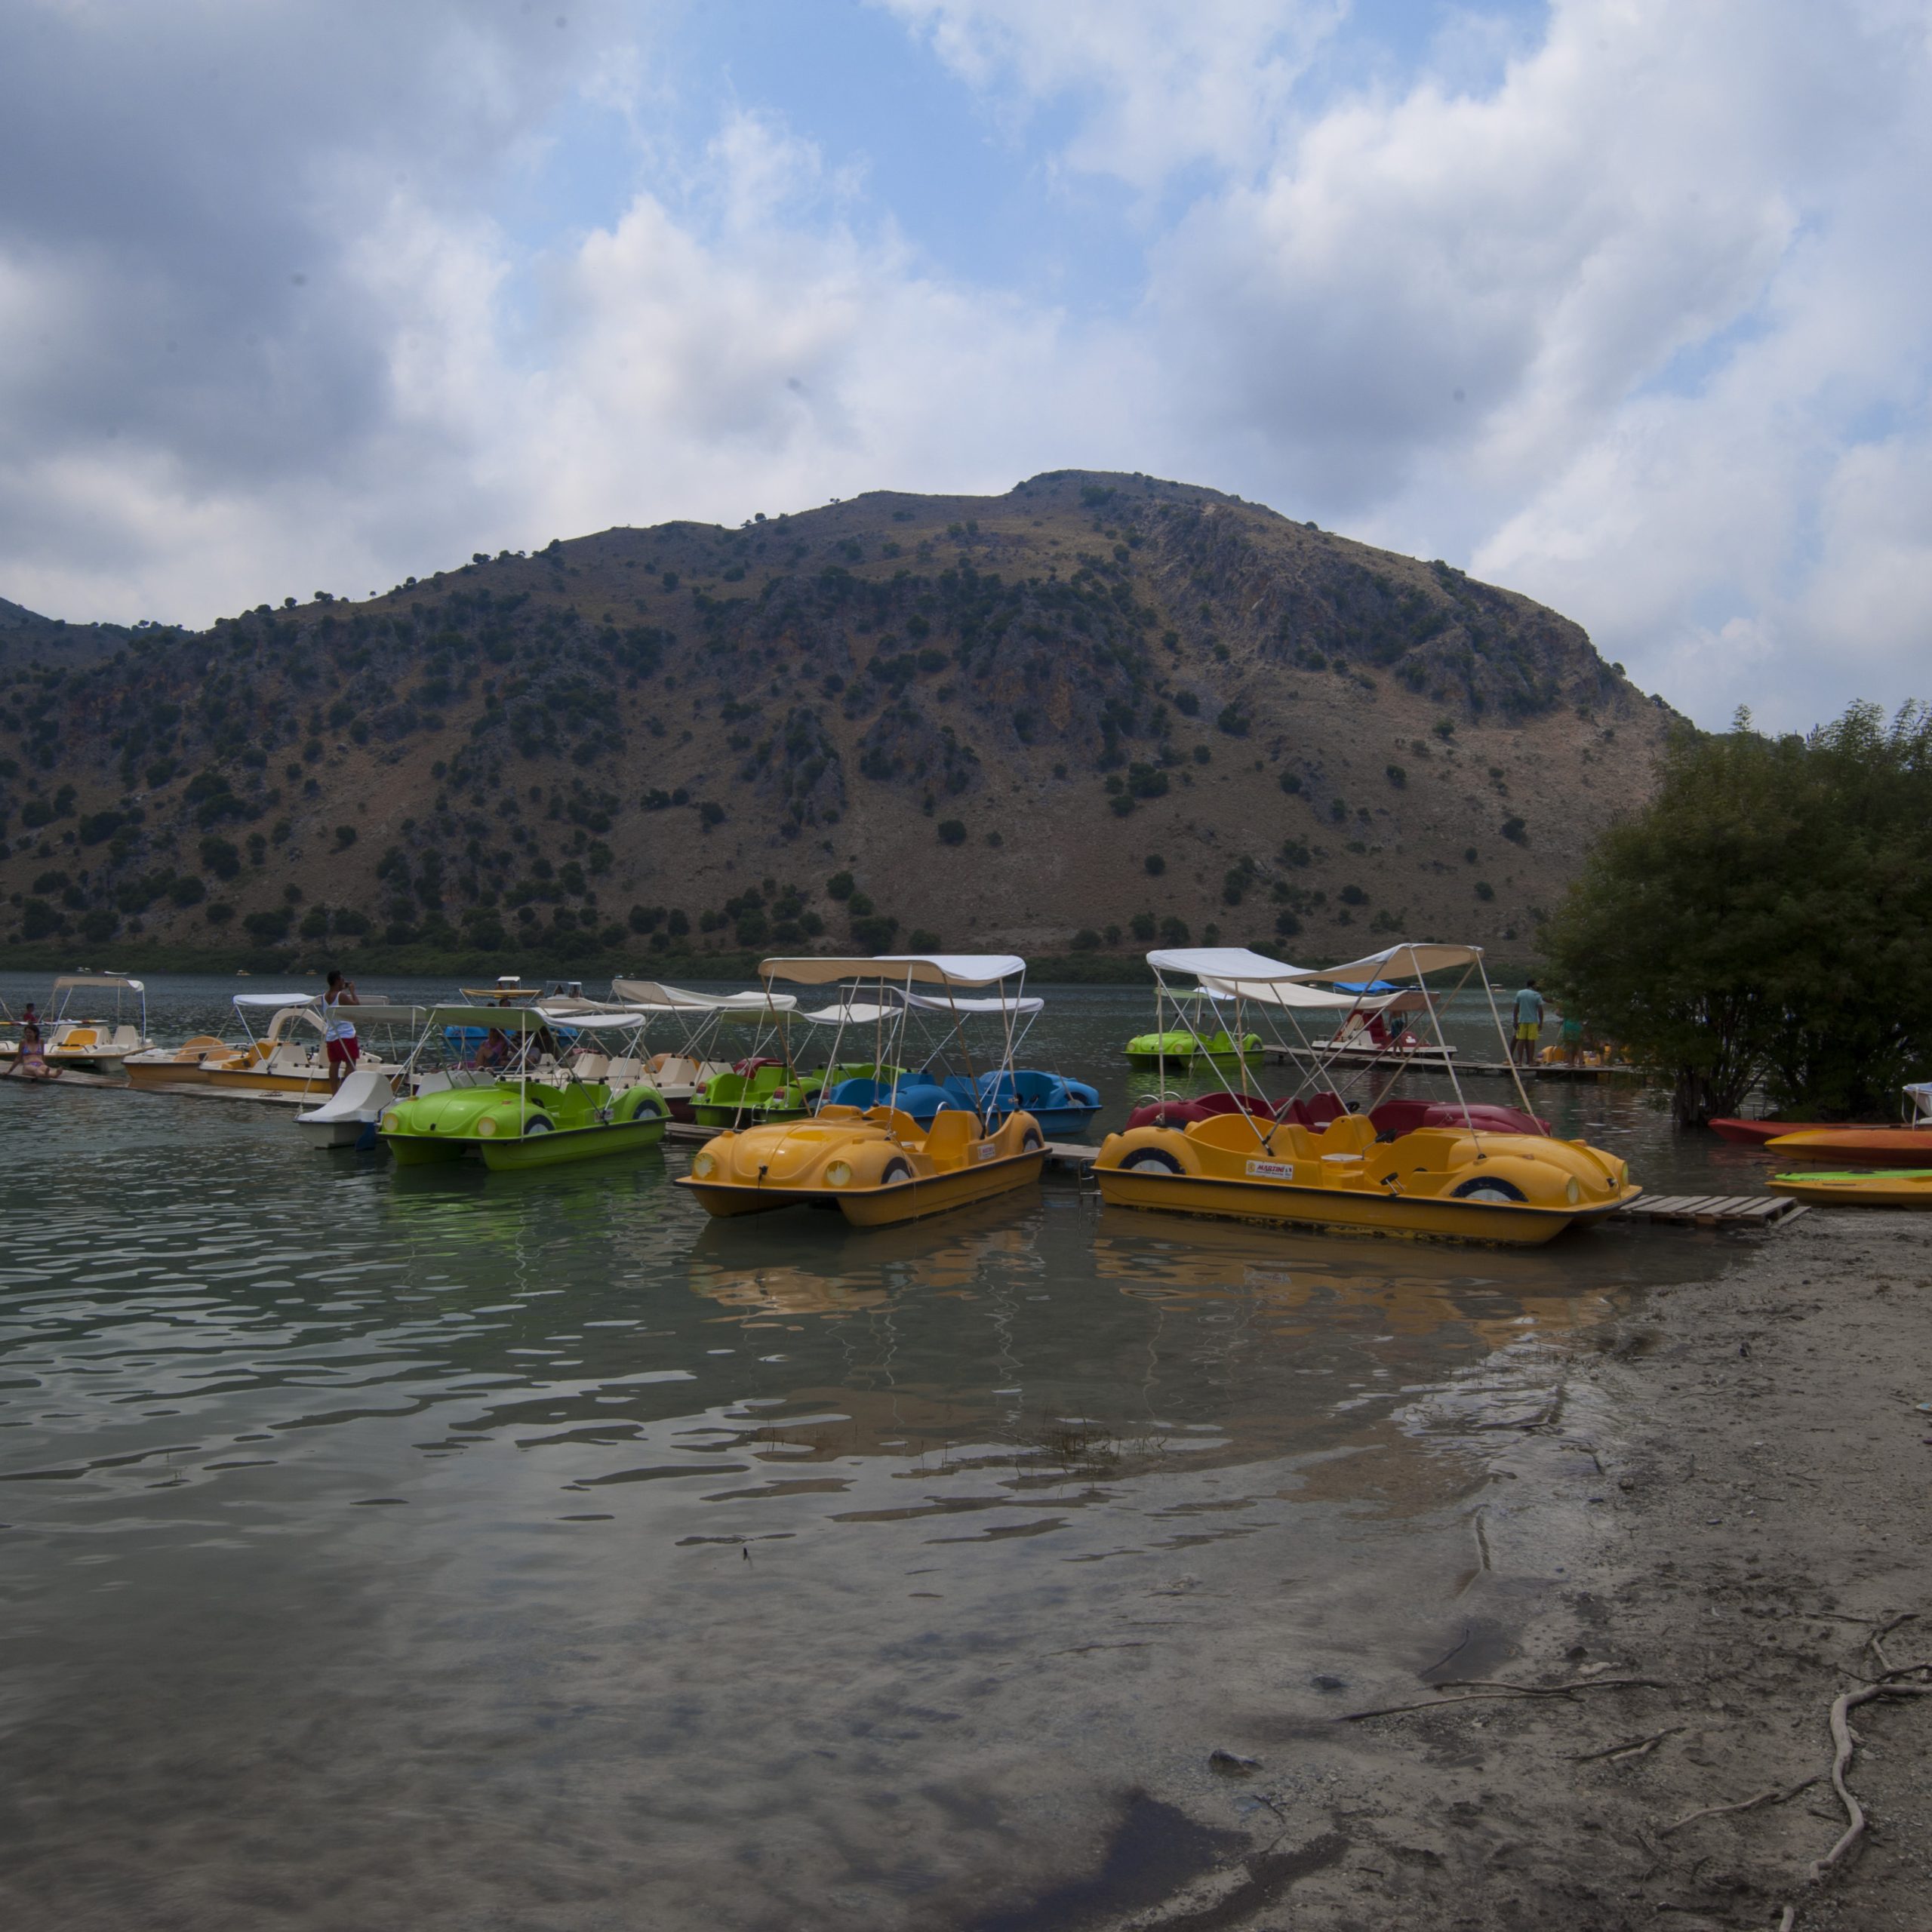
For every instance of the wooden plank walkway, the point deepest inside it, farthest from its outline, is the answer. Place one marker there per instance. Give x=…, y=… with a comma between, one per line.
x=1071, y=1156
x=1435, y=1063
x=1713, y=1210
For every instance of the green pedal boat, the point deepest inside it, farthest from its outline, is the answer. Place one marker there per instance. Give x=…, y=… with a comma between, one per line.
x=773, y=1092
x=1183, y=1049
x=510, y=1124
x=533, y=1111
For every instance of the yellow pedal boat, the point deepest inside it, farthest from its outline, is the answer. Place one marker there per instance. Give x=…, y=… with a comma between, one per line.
x=291, y=1057
x=1443, y=1184
x=1875, y=1187
x=877, y=1164
x=1457, y=1182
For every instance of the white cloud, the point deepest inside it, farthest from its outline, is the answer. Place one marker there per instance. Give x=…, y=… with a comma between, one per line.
x=1635, y=323
x=1164, y=83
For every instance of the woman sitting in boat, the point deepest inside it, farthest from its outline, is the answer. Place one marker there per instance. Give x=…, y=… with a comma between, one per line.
x=494, y=1053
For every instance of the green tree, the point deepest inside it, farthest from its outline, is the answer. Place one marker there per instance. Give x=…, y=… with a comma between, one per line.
x=1768, y=916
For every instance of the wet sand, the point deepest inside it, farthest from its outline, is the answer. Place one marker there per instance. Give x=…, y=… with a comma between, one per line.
x=1703, y=1532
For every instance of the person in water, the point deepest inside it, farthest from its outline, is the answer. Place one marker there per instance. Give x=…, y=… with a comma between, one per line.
x=1529, y=1025
x=339, y=1039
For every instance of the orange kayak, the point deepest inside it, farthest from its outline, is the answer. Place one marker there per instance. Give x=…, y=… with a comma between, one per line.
x=1882, y=1147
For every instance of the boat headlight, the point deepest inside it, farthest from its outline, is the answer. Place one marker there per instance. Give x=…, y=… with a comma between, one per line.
x=487, y=1124
x=704, y=1167
x=1572, y=1192
x=838, y=1174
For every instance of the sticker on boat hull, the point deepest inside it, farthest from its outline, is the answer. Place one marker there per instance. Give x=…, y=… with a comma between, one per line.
x=1273, y=1169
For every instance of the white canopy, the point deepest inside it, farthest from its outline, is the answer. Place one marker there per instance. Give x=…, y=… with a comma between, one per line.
x=507, y=1018
x=115, y=979
x=598, y=1020
x=1223, y=963
x=1409, y=960
x=867, y=1013
x=278, y=999
x=384, y=1013
x=1287, y=995
x=927, y=969
x=656, y=997
x=1233, y=972
x=1026, y=1003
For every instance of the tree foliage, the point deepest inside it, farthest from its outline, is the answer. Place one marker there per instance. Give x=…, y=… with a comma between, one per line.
x=1768, y=916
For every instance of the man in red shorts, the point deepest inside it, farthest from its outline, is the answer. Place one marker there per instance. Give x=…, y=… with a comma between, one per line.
x=338, y=1034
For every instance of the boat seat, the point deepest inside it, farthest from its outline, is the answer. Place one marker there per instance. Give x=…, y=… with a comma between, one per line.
x=1353, y=1133
x=622, y=1068
x=953, y=1132
x=1315, y=1112
x=591, y=1067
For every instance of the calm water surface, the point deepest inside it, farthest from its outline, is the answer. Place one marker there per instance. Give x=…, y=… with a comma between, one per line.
x=459, y=1549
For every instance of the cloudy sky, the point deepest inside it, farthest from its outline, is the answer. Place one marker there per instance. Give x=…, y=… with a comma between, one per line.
x=1622, y=303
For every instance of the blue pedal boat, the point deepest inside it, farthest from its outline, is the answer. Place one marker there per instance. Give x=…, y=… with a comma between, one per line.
x=1062, y=1106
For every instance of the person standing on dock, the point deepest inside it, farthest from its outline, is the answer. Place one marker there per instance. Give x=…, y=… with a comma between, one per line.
x=1570, y=1035
x=1529, y=1025
x=339, y=1040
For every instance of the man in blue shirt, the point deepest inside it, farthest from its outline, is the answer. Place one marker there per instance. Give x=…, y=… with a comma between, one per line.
x=1529, y=1025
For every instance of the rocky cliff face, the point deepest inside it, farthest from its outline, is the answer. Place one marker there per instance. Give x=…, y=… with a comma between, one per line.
x=1098, y=711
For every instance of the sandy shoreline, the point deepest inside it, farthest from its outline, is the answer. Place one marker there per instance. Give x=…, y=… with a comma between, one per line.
x=1728, y=1493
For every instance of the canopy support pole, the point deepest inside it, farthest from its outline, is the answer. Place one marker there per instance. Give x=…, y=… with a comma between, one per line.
x=1508, y=1046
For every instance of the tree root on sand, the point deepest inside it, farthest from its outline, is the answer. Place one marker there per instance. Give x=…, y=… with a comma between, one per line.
x=1841, y=1708
x=1773, y=1796
x=1631, y=1747
x=1484, y=1688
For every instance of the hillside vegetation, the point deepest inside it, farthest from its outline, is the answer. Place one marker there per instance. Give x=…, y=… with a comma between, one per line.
x=1097, y=711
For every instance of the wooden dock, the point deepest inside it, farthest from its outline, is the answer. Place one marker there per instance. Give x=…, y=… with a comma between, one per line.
x=75, y=1076
x=1426, y=1061
x=1717, y=1211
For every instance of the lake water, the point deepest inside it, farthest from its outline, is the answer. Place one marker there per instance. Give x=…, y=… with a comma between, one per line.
x=451, y=1549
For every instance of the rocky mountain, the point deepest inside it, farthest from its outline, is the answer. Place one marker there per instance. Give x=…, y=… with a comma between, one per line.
x=1097, y=711
x=27, y=637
